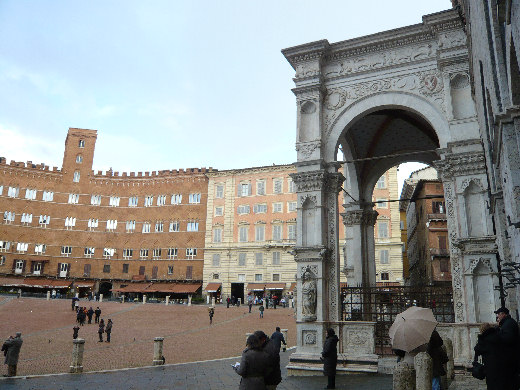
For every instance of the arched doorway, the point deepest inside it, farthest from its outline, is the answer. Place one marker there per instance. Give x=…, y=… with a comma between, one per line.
x=105, y=289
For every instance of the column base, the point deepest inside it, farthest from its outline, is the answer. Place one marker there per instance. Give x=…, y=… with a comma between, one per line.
x=76, y=369
x=158, y=362
x=311, y=365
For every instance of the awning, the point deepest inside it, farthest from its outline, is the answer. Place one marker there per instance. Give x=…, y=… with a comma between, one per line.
x=212, y=287
x=83, y=284
x=133, y=288
x=265, y=286
x=182, y=288
x=174, y=288
x=293, y=286
x=11, y=282
x=46, y=283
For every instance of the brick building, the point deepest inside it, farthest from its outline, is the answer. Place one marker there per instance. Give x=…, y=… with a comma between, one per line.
x=74, y=228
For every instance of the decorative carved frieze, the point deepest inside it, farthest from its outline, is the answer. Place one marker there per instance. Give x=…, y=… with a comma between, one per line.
x=463, y=164
x=352, y=217
x=308, y=181
x=305, y=150
x=309, y=337
x=476, y=245
x=448, y=40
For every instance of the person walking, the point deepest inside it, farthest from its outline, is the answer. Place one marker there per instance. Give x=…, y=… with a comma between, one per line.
x=508, y=344
x=101, y=330
x=211, y=314
x=108, y=329
x=488, y=347
x=439, y=359
x=273, y=376
x=90, y=313
x=11, y=348
x=97, y=314
x=261, y=309
x=75, y=331
x=228, y=301
x=253, y=366
x=330, y=358
x=277, y=338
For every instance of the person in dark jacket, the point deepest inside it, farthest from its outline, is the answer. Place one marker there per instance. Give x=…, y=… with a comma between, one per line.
x=273, y=376
x=12, y=347
x=330, y=358
x=254, y=365
x=488, y=347
x=508, y=342
x=439, y=358
x=101, y=330
x=277, y=338
x=108, y=329
x=90, y=313
x=97, y=313
x=75, y=331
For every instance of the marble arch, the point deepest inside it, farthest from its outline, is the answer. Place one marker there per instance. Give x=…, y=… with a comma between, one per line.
x=388, y=93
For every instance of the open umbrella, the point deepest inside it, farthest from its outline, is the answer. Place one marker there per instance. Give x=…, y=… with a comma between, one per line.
x=412, y=328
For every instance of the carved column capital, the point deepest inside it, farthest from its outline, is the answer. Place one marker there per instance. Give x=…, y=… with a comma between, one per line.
x=370, y=217
x=334, y=181
x=308, y=181
x=352, y=217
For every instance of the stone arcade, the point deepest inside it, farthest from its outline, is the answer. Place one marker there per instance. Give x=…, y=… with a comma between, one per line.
x=404, y=92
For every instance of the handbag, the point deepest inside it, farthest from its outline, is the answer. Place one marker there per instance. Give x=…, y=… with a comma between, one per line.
x=478, y=370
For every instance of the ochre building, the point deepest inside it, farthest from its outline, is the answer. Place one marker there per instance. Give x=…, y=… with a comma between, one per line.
x=94, y=232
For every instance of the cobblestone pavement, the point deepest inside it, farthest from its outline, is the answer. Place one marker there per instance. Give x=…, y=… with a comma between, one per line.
x=213, y=375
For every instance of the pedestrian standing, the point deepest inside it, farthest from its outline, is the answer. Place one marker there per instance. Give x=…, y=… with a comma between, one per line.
x=211, y=314
x=73, y=303
x=75, y=331
x=250, y=305
x=90, y=313
x=254, y=365
x=488, y=347
x=273, y=377
x=508, y=342
x=76, y=305
x=101, y=330
x=261, y=309
x=330, y=358
x=97, y=313
x=277, y=338
x=53, y=294
x=439, y=359
x=12, y=348
x=228, y=300
x=108, y=329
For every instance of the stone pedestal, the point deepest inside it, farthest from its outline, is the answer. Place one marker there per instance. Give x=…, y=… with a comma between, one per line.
x=100, y=297
x=48, y=295
x=404, y=377
x=423, y=371
x=285, y=333
x=158, y=351
x=450, y=366
x=189, y=300
x=213, y=301
x=167, y=300
x=144, y=299
x=78, y=345
x=122, y=299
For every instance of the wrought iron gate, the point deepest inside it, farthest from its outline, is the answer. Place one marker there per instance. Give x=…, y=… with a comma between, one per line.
x=383, y=304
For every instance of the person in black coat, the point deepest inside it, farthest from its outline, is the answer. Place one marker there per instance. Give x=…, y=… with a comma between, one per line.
x=330, y=358
x=273, y=375
x=439, y=358
x=508, y=342
x=97, y=313
x=277, y=338
x=90, y=313
x=488, y=347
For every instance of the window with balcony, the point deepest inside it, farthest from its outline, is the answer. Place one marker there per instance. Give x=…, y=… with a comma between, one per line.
x=111, y=225
x=48, y=196
x=30, y=194
x=114, y=201
x=176, y=199
x=66, y=250
x=63, y=269
x=191, y=253
x=70, y=222
x=37, y=268
x=26, y=219
x=127, y=253
x=159, y=226
x=44, y=220
x=89, y=251
x=132, y=201
x=156, y=253
x=9, y=216
x=95, y=200
x=175, y=226
x=22, y=247
x=259, y=233
x=108, y=253
x=172, y=253
x=19, y=266
x=146, y=227
x=130, y=226
x=194, y=198
x=277, y=232
x=13, y=192
x=143, y=254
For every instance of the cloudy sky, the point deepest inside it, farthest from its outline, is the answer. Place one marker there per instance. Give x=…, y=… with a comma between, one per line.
x=167, y=84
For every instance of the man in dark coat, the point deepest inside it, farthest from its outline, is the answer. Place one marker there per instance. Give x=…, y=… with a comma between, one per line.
x=439, y=359
x=508, y=339
x=13, y=346
x=253, y=366
x=274, y=375
x=330, y=358
x=90, y=313
x=97, y=313
x=277, y=338
x=108, y=329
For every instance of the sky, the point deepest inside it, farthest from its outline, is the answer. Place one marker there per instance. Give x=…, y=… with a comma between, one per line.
x=168, y=84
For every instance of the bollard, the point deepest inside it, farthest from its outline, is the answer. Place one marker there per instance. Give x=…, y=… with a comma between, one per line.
x=423, y=371
x=77, y=295
x=123, y=298
x=213, y=301
x=239, y=302
x=404, y=377
x=167, y=300
x=189, y=300
x=48, y=295
x=100, y=297
x=247, y=336
x=207, y=299
x=158, y=358
x=78, y=345
x=284, y=332
x=144, y=299
x=450, y=366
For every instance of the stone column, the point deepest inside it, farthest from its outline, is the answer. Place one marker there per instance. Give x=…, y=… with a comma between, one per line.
x=207, y=299
x=423, y=371
x=189, y=299
x=167, y=300
x=78, y=345
x=158, y=351
x=144, y=298
x=213, y=301
x=48, y=295
x=404, y=377
x=100, y=297
x=123, y=298
x=450, y=366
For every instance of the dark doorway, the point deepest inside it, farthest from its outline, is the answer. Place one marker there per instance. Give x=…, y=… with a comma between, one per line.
x=104, y=288
x=237, y=291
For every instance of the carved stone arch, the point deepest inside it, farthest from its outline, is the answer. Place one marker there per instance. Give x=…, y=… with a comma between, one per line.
x=466, y=183
x=474, y=263
x=308, y=199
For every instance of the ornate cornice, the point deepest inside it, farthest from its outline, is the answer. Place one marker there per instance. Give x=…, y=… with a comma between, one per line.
x=463, y=164
x=308, y=181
